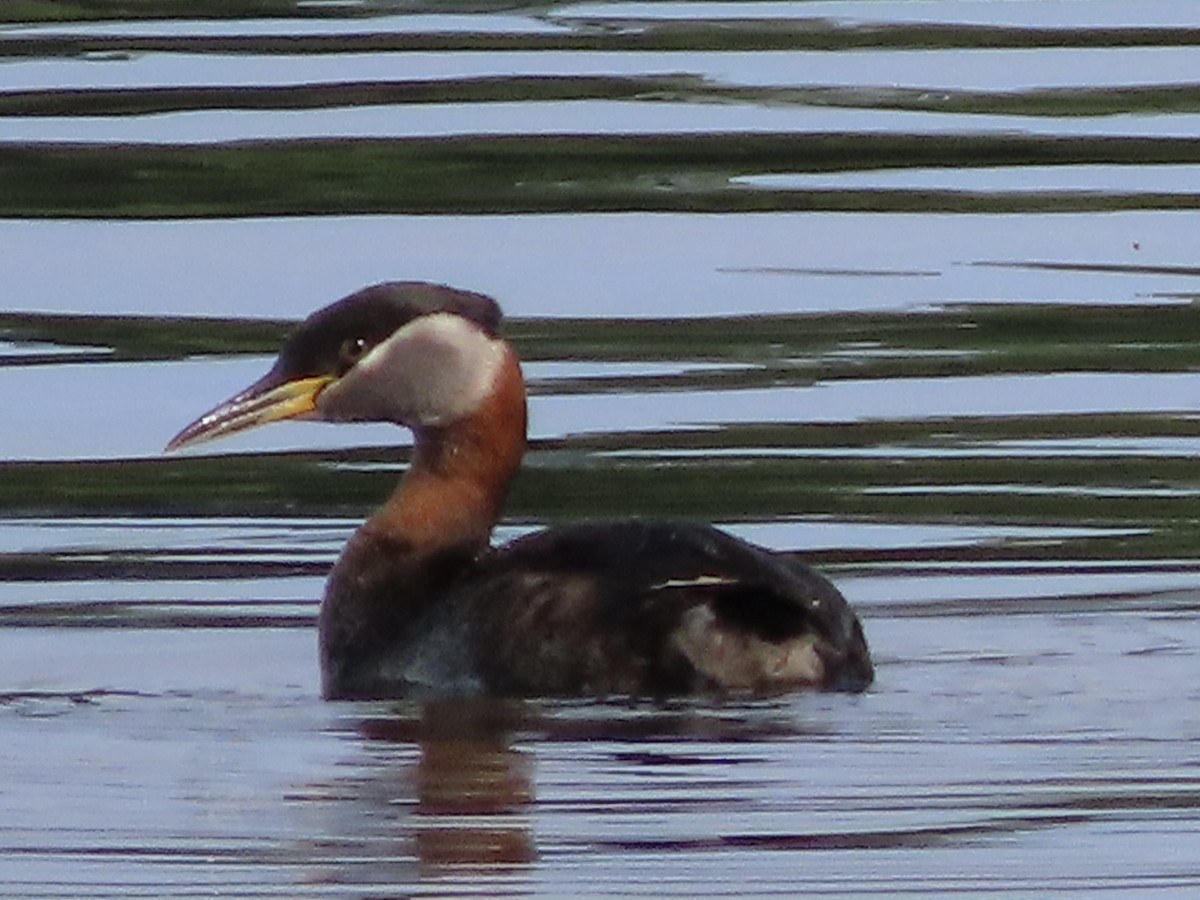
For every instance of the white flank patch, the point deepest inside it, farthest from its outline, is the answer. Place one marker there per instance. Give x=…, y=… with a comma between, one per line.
x=698, y=581
x=735, y=659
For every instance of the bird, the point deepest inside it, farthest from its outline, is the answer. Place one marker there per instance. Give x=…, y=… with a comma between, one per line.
x=420, y=604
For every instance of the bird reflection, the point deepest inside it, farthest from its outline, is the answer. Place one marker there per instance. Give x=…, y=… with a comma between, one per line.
x=460, y=800
x=472, y=785
x=448, y=787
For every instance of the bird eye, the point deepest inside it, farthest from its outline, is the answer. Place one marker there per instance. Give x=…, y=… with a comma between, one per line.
x=350, y=352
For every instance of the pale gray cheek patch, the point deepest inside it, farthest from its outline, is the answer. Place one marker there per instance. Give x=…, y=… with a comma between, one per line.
x=353, y=398
x=431, y=372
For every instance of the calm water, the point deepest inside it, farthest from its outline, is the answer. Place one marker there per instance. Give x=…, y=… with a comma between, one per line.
x=906, y=287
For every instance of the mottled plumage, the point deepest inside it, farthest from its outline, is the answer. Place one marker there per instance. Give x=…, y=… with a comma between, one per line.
x=419, y=603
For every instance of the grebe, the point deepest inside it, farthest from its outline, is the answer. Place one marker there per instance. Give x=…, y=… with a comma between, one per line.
x=419, y=603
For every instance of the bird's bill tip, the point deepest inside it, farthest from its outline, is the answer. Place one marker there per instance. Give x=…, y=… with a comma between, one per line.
x=267, y=401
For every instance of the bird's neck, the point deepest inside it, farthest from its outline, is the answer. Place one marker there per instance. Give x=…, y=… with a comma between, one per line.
x=403, y=559
x=454, y=491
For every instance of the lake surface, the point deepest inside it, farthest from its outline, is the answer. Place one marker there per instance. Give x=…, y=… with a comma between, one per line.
x=908, y=288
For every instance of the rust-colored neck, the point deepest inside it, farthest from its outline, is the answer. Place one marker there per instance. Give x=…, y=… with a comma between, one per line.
x=454, y=491
x=401, y=561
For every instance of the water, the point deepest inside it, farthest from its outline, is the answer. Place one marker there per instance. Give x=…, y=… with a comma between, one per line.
x=906, y=287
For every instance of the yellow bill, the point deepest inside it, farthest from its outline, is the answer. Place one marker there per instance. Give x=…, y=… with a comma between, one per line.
x=263, y=402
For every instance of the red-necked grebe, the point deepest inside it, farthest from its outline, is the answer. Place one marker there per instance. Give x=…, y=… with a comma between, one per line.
x=420, y=603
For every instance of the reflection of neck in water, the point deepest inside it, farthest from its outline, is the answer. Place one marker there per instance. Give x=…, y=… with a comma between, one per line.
x=470, y=786
x=470, y=797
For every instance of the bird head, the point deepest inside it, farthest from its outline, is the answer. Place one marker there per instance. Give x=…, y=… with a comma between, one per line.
x=418, y=354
